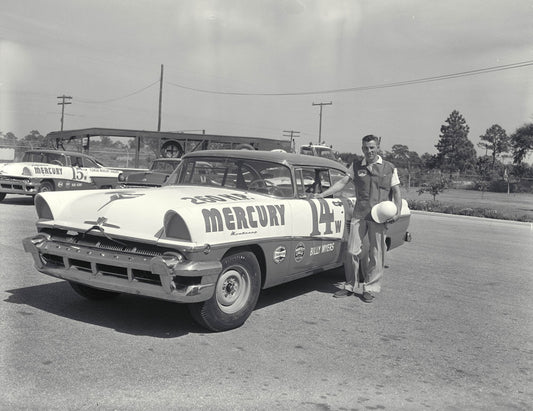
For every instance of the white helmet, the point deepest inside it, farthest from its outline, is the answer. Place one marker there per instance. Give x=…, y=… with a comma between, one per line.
x=381, y=212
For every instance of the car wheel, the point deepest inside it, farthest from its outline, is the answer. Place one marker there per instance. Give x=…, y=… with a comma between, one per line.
x=236, y=293
x=46, y=186
x=2, y=196
x=92, y=293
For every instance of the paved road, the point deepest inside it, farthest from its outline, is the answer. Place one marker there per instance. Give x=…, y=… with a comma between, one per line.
x=452, y=329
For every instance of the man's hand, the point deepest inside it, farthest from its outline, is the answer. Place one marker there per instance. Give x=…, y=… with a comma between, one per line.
x=393, y=219
x=318, y=195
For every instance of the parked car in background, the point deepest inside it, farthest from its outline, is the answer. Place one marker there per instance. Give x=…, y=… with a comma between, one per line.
x=157, y=174
x=55, y=170
x=225, y=225
x=319, y=150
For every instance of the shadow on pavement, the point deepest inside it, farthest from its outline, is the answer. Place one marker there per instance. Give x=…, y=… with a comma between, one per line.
x=18, y=200
x=137, y=315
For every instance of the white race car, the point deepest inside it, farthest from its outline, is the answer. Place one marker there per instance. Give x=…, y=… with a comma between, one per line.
x=55, y=170
x=227, y=224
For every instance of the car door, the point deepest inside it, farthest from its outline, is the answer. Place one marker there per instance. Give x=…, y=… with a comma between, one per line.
x=319, y=225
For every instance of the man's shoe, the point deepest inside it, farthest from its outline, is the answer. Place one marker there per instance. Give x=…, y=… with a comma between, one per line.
x=367, y=297
x=343, y=293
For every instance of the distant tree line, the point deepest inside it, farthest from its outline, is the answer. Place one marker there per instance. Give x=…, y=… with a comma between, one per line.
x=501, y=168
x=456, y=163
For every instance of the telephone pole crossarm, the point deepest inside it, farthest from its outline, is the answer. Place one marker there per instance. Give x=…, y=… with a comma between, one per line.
x=291, y=134
x=62, y=104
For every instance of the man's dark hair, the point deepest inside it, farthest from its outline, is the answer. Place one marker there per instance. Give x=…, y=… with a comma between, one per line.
x=371, y=137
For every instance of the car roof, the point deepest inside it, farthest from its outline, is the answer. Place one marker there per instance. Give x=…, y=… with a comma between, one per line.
x=169, y=159
x=67, y=153
x=273, y=156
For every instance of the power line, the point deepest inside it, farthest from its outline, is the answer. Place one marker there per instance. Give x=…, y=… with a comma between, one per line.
x=119, y=98
x=370, y=87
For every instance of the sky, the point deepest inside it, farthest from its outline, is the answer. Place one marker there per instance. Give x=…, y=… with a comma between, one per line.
x=257, y=67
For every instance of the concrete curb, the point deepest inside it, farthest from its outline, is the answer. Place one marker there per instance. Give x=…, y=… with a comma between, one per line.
x=494, y=220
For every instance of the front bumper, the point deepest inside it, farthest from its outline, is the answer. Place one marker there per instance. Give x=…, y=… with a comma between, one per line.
x=165, y=276
x=23, y=186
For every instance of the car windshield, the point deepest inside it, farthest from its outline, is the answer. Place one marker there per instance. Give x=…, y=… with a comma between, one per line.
x=242, y=174
x=164, y=166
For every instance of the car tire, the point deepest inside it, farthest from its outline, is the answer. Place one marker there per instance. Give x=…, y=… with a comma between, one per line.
x=236, y=294
x=46, y=186
x=92, y=293
x=2, y=196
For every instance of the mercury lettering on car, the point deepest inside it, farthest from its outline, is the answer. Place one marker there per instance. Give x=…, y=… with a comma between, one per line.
x=239, y=218
x=47, y=170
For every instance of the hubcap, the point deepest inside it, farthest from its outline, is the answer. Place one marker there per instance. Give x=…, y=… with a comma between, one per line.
x=233, y=289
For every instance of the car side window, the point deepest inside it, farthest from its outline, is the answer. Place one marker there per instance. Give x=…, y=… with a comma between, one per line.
x=312, y=181
x=76, y=161
x=87, y=162
x=56, y=159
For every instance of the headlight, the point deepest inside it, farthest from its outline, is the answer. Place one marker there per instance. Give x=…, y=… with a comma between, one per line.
x=121, y=177
x=175, y=227
x=43, y=209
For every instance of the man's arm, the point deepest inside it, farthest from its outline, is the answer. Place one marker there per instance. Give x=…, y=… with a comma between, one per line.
x=338, y=186
x=396, y=199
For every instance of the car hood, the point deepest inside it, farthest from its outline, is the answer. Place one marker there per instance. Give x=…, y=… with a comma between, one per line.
x=171, y=214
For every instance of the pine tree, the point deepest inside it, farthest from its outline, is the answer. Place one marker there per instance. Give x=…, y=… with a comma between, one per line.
x=496, y=141
x=455, y=151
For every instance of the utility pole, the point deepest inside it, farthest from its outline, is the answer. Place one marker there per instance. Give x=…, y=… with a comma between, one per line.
x=320, y=124
x=291, y=134
x=160, y=99
x=62, y=104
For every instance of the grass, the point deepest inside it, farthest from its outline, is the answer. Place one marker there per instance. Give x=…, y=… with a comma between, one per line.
x=515, y=206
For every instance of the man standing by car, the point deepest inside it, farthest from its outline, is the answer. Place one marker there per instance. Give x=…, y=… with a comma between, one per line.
x=375, y=180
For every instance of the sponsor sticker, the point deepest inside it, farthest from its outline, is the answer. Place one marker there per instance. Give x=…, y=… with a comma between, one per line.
x=324, y=248
x=299, y=252
x=279, y=254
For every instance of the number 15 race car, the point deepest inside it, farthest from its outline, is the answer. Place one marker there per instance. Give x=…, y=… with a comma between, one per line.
x=55, y=170
x=227, y=224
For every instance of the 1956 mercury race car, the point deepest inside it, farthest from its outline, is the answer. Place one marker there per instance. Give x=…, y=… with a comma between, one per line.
x=55, y=170
x=227, y=224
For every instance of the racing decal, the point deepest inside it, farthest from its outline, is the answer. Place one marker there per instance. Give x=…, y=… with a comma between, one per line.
x=320, y=249
x=279, y=254
x=47, y=171
x=238, y=218
x=77, y=174
x=299, y=252
x=323, y=220
x=216, y=198
x=120, y=196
